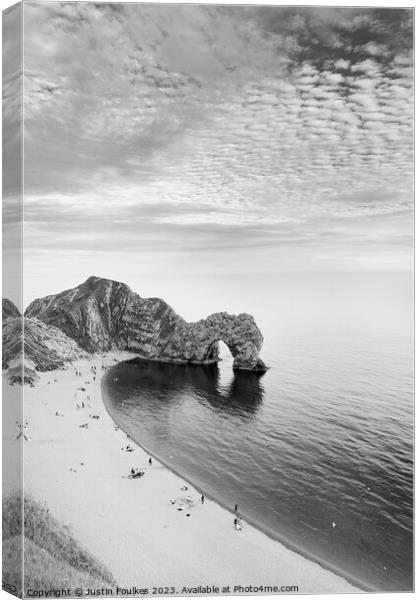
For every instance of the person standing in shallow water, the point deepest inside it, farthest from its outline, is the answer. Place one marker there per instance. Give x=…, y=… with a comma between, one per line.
x=236, y=508
x=202, y=498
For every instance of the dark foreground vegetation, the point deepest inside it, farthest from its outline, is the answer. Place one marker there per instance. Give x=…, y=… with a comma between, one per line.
x=52, y=558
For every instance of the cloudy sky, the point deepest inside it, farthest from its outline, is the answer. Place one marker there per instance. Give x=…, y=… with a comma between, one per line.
x=167, y=143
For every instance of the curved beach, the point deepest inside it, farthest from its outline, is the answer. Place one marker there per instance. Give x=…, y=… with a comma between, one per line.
x=131, y=525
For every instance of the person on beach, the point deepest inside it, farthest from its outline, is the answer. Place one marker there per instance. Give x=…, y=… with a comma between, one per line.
x=150, y=462
x=202, y=498
x=236, y=508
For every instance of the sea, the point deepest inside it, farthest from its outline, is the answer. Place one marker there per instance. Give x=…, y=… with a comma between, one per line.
x=318, y=451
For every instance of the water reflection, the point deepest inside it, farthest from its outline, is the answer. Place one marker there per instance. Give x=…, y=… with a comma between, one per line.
x=148, y=380
x=295, y=453
x=244, y=394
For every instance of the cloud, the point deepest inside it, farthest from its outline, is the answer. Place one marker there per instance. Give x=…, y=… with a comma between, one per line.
x=181, y=126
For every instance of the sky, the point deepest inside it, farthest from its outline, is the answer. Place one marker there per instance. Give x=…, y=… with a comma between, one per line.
x=183, y=148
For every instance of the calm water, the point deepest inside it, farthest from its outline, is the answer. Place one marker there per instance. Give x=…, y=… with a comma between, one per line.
x=324, y=436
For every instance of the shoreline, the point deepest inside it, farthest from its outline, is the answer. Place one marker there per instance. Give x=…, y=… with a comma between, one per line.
x=364, y=587
x=203, y=363
x=133, y=526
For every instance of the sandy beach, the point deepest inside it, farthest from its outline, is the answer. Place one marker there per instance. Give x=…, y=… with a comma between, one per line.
x=131, y=525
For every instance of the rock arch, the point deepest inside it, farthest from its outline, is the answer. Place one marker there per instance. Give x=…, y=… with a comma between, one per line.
x=102, y=315
x=199, y=342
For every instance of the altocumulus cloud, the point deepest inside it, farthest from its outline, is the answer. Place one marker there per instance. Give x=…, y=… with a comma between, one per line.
x=215, y=125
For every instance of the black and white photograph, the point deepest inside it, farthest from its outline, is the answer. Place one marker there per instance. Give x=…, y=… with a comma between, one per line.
x=208, y=299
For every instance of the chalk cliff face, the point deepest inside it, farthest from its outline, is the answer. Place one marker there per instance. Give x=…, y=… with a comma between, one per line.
x=102, y=315
x=9, y=309
x=44, y=348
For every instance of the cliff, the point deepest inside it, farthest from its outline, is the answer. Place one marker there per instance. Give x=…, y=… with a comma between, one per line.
x=103, y=315
x=44, y=348
x=9, y=309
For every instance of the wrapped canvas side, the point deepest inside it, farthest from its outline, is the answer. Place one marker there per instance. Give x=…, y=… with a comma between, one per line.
x=14, y=427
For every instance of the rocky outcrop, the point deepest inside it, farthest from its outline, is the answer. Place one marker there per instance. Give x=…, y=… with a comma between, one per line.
x=198, y=342
x=102, y=315
x=9, y=310
x=29, y=345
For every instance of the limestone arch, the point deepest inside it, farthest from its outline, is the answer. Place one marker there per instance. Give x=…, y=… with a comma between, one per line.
x=240, y=334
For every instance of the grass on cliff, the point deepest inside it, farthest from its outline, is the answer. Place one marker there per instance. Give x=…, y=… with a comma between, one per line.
x=53, y=559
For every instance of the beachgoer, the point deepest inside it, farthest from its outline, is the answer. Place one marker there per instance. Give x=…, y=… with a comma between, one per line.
x=202, y=498
x=236, y=508
x=150, y=461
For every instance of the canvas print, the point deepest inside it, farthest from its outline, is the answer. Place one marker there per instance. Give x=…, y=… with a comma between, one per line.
x=207, y=299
